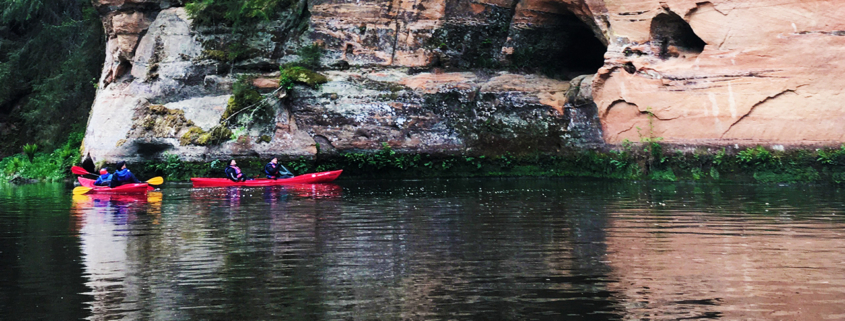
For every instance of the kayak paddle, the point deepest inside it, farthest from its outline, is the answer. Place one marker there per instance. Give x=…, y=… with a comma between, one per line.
x=79, y=190
x=78, y=170
x=158, y=180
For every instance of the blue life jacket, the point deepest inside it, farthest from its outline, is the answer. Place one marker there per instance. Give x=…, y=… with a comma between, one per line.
x=125, y=176
x=271, y=169
x=103, y=179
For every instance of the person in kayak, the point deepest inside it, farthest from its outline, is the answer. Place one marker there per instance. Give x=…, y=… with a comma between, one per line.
x=122, y=176
x=104, y=179
x=234, y=173
x=275, y=170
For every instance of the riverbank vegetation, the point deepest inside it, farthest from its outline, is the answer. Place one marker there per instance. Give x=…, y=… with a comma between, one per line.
x=35, y=165
x=644, y=161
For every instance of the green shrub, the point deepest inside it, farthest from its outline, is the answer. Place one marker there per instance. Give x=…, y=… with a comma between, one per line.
x=47, y=166
x=244, y=95
x=757, y=156
x=831, y=156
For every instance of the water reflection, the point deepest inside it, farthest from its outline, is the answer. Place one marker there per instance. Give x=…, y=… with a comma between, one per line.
x=105, y=225
x=673, y=263
x=508, y=249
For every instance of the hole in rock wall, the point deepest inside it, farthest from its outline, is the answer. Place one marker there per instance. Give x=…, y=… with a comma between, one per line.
x=630, y=68
x=568, y=47
x=151, y=149
x=349, y=50
x=674, y=36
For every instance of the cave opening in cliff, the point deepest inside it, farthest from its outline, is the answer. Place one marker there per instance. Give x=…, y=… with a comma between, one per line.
x=564, y=47
x=674, y=36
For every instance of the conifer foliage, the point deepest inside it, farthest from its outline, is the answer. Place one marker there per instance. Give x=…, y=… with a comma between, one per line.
x=51, y=53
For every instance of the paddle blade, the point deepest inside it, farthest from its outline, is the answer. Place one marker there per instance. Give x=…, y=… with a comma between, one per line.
x=79, y=190
x=155, y=180
x=79, y=170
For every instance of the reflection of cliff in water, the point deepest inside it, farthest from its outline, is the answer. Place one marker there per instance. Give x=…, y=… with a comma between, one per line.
x=681, y=266
x=747, y=252
x=105, y=225
x=220, y=252
x=497, y=252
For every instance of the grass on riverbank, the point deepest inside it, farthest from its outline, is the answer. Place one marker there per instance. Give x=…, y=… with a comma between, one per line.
x=649, y=161
x=41, y=165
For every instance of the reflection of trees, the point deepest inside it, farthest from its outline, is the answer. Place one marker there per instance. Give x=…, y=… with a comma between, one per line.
x=40, y=276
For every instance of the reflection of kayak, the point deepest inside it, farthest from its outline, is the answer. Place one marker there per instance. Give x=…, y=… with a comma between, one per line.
x=315, y=190
x=321, y=177
x=135, y=188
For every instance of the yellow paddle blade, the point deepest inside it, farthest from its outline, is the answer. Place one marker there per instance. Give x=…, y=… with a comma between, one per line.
x=154, y=197
x=79, y=190
x=156, y=180
x=77, y=198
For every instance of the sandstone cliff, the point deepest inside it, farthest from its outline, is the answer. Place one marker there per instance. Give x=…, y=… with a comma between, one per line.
x=473, y=76
x=724, y=71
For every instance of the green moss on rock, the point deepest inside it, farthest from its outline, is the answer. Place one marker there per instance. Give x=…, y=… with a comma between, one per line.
x=218, y=55
x=160, y=121
x=295, y=74
x=197, y=136
x=191, y=136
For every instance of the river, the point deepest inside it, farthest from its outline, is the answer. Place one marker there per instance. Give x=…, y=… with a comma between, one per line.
x=456, y=249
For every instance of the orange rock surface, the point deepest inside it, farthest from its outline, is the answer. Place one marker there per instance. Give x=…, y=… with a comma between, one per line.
x=768, y=74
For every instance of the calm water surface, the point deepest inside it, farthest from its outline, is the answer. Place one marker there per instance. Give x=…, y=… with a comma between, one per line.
x=465, y=249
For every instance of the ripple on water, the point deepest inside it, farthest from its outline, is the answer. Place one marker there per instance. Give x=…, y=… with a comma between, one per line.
x=504, y=249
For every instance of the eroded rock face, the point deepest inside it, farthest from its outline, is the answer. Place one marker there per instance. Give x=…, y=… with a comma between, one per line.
x=766, y=74
x=480, y=76
x=408, y=76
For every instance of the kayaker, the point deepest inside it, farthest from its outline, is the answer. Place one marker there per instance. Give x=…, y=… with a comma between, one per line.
x=105, y=177
x=275, y=170
x=234, y=173
x=122, y=176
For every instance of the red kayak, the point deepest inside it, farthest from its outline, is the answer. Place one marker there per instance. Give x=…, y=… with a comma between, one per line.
x=313, y=178
x=135, y=188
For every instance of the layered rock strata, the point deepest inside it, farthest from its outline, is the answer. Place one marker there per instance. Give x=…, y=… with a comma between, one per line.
x=447, y=87
x=477, y=76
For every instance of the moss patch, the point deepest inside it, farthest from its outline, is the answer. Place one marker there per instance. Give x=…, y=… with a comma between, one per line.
x=159, y=121
x=197, y=136
x=295, y=74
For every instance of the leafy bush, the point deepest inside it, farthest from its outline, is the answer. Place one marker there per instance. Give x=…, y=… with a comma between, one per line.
x=170, y=167
x=757, y=156
x=244, y=96
x=48, y=166
x=831, y=156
